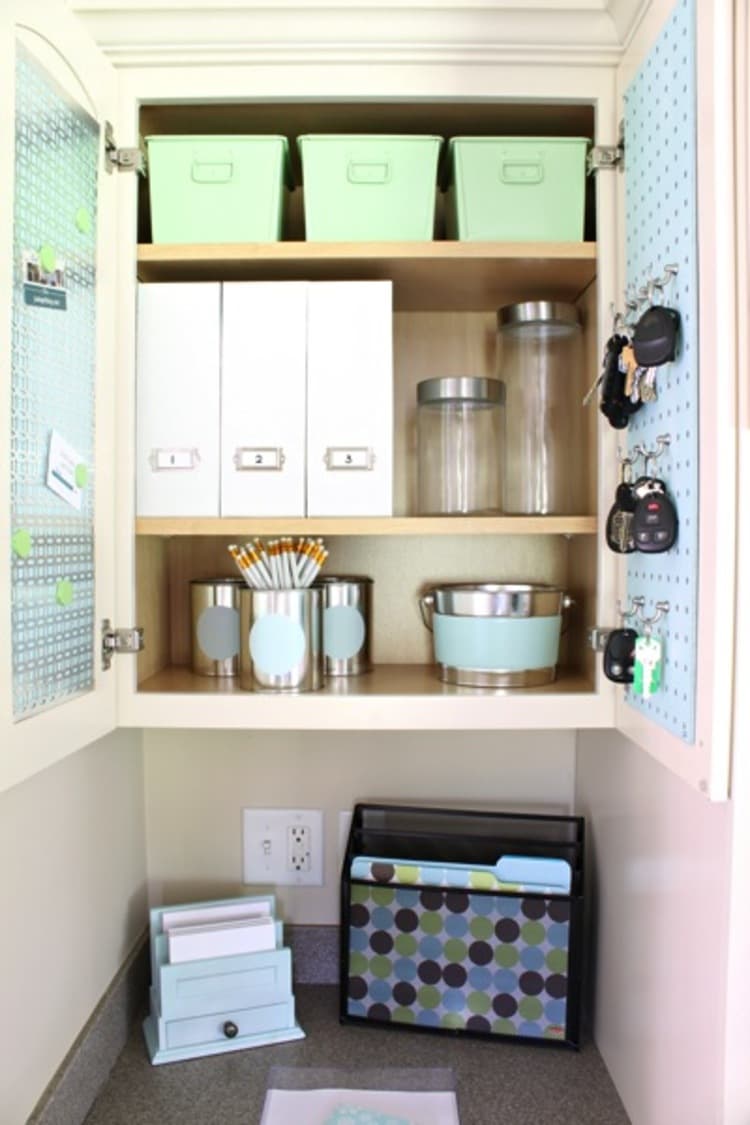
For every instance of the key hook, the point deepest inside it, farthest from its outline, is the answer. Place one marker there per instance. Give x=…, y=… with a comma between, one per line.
x=648, y=455
x=662, y=609
x=670, y=273
x=635, y=603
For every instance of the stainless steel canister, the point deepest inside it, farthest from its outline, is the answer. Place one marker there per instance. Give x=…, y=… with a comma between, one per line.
x=215, y=625
x=495, y=634
x=347, y=607
x=281, y=643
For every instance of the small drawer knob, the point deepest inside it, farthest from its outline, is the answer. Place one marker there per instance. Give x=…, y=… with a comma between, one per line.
x=230, y=1029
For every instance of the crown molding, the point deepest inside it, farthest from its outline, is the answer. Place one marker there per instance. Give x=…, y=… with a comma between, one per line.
x=133, y=33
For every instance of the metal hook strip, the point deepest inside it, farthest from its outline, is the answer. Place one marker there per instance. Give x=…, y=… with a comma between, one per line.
x=662, y=609
x=636, y=604
x=648, y=455
x=644, y=295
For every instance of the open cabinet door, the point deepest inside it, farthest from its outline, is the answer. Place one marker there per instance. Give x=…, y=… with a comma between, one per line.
x=677, y=208
x=57, y=353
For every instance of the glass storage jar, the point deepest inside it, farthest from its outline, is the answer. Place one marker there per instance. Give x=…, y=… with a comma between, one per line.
x=460, y=433
x=539, y=359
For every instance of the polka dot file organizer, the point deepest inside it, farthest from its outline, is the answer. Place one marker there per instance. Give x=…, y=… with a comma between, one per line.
x=453, y=958
x=660, y=231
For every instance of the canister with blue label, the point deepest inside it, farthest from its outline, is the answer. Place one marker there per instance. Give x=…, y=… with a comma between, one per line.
x=347, y=610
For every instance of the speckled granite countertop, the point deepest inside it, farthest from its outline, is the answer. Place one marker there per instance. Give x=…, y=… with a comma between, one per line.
x=496, y=1082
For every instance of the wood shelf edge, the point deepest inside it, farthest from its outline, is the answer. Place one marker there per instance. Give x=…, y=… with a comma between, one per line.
x=324, y=251
x=244, y=527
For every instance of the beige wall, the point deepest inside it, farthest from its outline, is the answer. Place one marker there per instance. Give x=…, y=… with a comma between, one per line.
x=661, y=875
x=197, y=784
x=72, y=843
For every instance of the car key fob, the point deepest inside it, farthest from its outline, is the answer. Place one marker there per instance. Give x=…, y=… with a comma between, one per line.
x=654, y=525
x=655, y=336
x=619, y=656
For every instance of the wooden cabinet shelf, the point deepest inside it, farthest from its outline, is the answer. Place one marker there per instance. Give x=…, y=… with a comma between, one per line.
x=427, y=276
x=383, y=680
x=391, y=697
x=245, y=527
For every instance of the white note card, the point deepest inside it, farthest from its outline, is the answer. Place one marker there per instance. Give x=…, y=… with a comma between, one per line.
x=342, y=1107
x=64, y=467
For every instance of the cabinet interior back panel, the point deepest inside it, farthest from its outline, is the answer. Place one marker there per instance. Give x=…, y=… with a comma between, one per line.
x=400, y=575
x=661, y=230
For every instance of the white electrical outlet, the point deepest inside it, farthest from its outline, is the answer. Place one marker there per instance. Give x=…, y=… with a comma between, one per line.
x=282, y=846
x=298, y=842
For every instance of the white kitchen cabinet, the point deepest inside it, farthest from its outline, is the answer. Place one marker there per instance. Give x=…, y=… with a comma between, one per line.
x=177, y=400
x=445, y=298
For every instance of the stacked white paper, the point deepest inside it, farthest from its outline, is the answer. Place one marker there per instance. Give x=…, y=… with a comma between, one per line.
x=197, y=935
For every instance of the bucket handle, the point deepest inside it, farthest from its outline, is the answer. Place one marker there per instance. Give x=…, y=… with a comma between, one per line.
x=567, y=602
x=427, y=605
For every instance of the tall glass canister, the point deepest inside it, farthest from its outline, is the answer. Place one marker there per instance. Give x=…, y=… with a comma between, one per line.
x=459, y=445
x=539, y=360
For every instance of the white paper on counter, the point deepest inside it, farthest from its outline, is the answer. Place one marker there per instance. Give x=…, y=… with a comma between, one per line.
x=317, y=1107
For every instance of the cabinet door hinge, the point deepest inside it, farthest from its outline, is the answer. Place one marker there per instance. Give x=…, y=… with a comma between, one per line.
x=602, y=157
x=598, y=638
x=119, y=640
x=123, y=159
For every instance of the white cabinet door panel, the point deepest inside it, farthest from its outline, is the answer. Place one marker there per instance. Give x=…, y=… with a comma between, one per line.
x=57, y=564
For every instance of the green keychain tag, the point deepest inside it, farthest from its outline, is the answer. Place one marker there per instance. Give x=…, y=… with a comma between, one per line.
x=648, y=666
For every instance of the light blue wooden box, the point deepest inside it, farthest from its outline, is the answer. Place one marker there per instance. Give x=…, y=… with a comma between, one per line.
x=218, y=1004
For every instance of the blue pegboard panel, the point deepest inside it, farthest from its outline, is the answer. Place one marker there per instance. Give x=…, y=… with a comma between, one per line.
x=661, y=230
x=52, y=390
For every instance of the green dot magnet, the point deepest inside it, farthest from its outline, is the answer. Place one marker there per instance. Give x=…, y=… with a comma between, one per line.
x=47, y=258
x=64, y=592
x=81, y=475
x=21, y=543
x=83, y=220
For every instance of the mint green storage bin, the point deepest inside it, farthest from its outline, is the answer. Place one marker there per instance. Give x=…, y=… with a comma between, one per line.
x=517, y=189
x=369, y=188
x=217, y=188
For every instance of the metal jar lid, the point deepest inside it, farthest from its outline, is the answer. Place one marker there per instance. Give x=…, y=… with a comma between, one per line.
x=461, y=387
x=498, y=599
x=529, y=313
x=341, y=580
x=223, y=581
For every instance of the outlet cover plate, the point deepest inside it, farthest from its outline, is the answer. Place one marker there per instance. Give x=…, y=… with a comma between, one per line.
x=269, y=849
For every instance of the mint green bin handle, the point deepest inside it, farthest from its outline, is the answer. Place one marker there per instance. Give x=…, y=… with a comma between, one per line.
x=521, y=172
x=211, y=171
x=365, y=172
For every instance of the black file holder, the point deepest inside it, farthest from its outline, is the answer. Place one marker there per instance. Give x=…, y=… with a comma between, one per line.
x=420, y=951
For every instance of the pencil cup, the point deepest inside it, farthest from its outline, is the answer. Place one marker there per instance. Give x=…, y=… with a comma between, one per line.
x=347, y=605
x=280, y=636
x=215, y=620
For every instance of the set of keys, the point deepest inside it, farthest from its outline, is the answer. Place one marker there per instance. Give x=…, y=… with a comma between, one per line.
x=643, y=516
x=629, y=366
x=636, y=658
